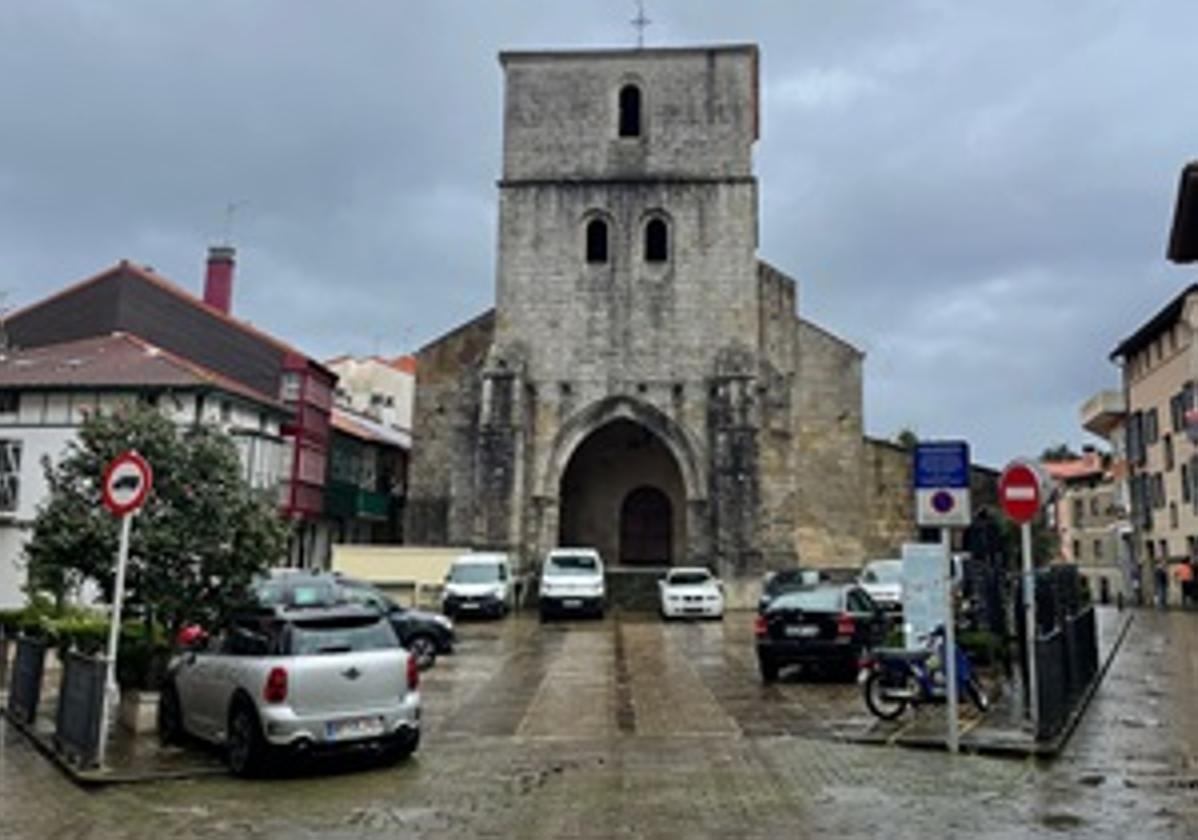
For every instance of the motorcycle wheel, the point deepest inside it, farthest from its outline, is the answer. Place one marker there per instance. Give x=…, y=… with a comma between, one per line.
x=883, y=707
x=977, y=696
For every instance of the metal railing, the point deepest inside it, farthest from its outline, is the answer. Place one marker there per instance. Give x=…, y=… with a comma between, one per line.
x=1066, y=664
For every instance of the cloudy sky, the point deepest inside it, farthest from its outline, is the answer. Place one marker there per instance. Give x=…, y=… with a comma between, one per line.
x=977, y=194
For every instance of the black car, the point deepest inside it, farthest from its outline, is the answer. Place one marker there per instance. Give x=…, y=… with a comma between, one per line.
x=424, y=634
x=786, y=580
x=826, y=625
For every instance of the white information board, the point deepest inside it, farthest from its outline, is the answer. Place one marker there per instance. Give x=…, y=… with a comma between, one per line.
x=925, y=603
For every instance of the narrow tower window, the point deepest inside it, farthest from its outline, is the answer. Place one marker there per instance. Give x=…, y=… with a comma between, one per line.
x=630, y=111
x=596, y=241
x=657, y=241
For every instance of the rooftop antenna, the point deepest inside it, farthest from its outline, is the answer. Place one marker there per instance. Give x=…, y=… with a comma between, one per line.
x=230, y=212
x=640, y=22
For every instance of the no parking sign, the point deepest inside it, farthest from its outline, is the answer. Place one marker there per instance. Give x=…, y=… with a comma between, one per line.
x=126, y=483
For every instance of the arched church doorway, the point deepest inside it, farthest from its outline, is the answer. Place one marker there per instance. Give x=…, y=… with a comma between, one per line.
x=622, y=492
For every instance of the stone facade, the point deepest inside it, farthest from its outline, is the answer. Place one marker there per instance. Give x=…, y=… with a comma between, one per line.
x=654, y=394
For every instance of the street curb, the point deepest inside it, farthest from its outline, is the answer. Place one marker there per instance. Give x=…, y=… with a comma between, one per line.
x=1047, y=750
x=92, y=779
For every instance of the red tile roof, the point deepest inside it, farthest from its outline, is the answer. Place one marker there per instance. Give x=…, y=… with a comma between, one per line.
x=120, y=360
x=1088, y=465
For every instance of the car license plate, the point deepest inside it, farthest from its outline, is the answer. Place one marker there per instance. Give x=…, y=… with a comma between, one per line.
x=572, y=603
x=802, y=631
x=354, y=728
x=469, y=605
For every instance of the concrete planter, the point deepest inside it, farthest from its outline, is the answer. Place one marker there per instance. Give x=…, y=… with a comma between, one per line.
x=139, y=711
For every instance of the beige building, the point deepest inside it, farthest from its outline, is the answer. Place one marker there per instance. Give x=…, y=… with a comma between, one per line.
x=382, y=389
x=1159, y=363
x=1090, y=523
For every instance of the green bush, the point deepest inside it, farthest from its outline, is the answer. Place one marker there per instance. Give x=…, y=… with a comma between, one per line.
x=143, y=653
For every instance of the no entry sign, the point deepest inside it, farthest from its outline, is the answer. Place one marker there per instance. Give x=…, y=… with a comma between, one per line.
x=1020, y=491
x=127, y=480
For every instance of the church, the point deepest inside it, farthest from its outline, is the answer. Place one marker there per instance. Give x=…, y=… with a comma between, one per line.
x=645, y=383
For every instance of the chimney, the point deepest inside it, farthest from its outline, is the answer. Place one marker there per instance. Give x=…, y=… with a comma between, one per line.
x=218, y=282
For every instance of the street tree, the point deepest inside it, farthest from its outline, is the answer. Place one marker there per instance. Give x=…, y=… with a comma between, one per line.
x=907, y=438
x=200, y=539
x=1060, y=452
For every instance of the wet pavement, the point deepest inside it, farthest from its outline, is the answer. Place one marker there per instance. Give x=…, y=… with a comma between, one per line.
x=641, y=730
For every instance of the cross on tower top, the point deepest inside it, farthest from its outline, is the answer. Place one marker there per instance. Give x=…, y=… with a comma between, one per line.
x=640, y=22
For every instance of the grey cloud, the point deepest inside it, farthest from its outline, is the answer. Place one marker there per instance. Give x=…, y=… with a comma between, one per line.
x=976, y=194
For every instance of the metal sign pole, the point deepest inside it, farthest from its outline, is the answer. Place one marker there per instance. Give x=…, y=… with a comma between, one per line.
x=114, y=632
x=950, y=644
x=1029, y=622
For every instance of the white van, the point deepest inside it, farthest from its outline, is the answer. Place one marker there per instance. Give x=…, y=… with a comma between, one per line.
x=478, y=584
x=572, y=581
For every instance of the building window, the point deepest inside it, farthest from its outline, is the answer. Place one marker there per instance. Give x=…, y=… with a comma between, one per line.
x=10, y=474
x=630, y=111
x=596, y=241
x=1151, y=428
x=1150, y=549
x=657, y=241
x=1077, y=550
x=1163, y=553
x=1094, y=511
x=1158, y=490
x=1185, y=483
x=1172, y=514
x=289, y=387
x=1168, y=453
x=10, y=401
x=1079, y=511
x=1191, y=548
x=1097, y=549
x=226, y=411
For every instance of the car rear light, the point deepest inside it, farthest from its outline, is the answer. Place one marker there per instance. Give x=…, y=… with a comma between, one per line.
x=276, y=686
x=845, y=625
x=413, y=674
x=865, y=663
x=759, y=626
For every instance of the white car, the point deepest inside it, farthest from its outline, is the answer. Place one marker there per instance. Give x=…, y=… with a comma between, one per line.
x=478, y=583
x=691, y=591
x=572, y=582
x=883, y=580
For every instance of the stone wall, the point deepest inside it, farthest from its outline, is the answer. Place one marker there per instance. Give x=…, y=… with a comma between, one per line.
x=445, y=419
x=829, y=521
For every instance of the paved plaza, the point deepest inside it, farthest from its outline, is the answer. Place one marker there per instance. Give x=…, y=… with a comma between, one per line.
x=632, y=728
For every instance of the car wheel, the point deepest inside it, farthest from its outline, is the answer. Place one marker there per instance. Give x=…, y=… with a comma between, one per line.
x=170, y=716
x=423, y=649
x=769, y=670
x=882, y=706
x=246, y=749
x=402, y=747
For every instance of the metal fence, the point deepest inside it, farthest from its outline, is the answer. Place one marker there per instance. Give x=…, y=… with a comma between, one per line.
x=1066, y=663
x=80, y=699
x=25, y=687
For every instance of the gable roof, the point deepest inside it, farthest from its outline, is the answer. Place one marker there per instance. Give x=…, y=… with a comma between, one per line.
x=128, y=269
x=119, y=361
x=1155, y=325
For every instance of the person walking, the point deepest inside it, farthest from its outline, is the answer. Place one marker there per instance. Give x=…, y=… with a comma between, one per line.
x=1185, y=580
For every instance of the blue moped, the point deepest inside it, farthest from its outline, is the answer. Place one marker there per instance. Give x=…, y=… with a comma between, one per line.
x=893, y=678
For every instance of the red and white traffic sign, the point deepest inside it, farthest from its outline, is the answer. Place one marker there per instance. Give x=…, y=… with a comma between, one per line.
x=1020, y=491
x=127, y=480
